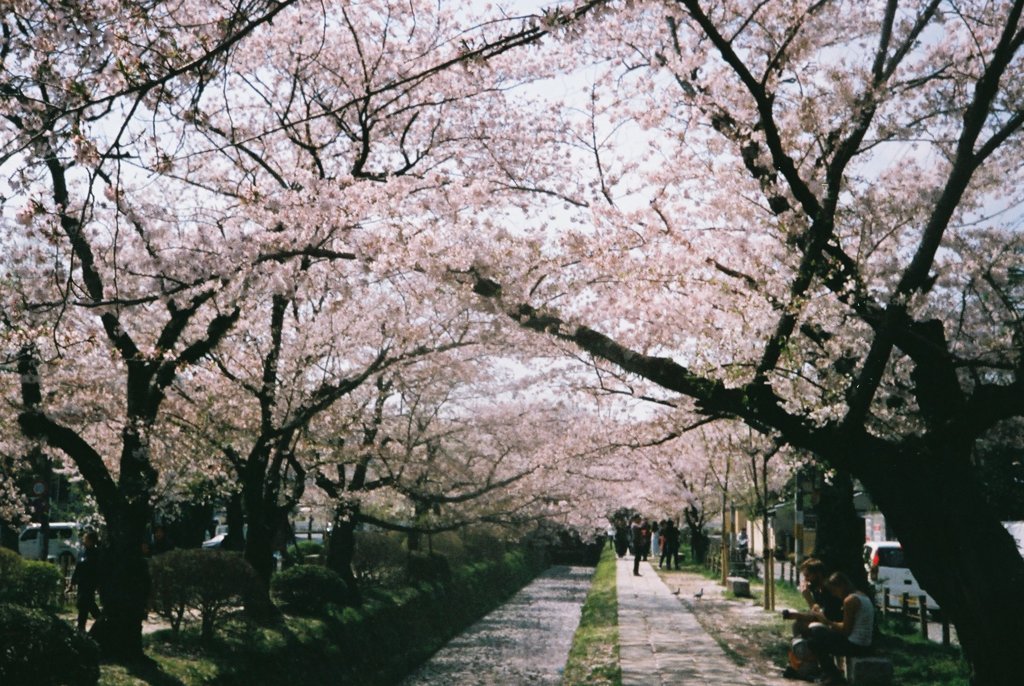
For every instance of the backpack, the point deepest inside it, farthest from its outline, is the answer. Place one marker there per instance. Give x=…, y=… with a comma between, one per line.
x=802, y=662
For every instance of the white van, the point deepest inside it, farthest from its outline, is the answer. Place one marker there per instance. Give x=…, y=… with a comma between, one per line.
x=63, y=548
x=887, y=569
x=1016, y=530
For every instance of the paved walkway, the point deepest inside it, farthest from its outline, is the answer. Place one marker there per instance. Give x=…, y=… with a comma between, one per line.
x=661, y=643
x=525, y=641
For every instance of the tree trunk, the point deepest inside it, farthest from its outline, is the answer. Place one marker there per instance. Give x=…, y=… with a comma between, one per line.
x=235, y=515
x=124, y=588
x=698, y=539
x=840, y=535
x=259, y=553
x=957, y=550
x=342, y=548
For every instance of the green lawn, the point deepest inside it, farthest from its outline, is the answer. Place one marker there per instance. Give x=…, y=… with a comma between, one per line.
x=594, y=656
x=916, y=660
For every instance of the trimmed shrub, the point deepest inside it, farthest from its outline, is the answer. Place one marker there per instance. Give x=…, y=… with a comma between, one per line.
x=379, y=557
x=302, y=553
x=206, y=582
x=31, y=583
x=39, y=648
x=306, y=589
x=10, y=562
x=429, y=567
x=309, y=548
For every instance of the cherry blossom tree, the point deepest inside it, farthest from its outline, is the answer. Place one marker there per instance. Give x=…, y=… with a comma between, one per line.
x=441, y=446
x=805, y=215
x=801, y=215
x=177, y=167
x=155, y=184
x=290, y=361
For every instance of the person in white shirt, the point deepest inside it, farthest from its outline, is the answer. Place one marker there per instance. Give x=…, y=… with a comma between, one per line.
x=849, y=636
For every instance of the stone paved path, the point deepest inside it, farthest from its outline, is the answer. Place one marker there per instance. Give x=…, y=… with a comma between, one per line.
x=661, y=642
x=525, y=641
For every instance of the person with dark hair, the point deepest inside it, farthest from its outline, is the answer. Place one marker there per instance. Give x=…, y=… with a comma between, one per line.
x=645, y=539
x=816, y=595
x=850, y=636
x=86, y=579
x=670, y=550
x=636, y=542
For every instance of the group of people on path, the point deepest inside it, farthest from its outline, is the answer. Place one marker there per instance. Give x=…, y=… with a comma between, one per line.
x=656, y=539
x=840, y=621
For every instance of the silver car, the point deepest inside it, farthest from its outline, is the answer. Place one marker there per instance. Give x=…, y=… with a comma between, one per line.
x=63, y=546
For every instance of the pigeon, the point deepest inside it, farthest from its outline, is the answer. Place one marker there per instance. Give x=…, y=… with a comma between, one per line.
x=675, y=592
x=699, y=594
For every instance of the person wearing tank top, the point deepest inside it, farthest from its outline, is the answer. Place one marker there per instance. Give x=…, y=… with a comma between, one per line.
x=849, y=636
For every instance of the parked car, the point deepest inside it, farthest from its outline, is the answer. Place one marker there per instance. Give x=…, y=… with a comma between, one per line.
x=63, y=548
x=221, y=533
x=216, y=542
x=1016, y=530
x=887, y=568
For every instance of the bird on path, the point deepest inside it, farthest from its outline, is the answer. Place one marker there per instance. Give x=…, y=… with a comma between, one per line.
x=699, y=594
x=675, y=592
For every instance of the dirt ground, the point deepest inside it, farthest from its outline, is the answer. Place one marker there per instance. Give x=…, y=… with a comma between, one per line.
x=750, y=635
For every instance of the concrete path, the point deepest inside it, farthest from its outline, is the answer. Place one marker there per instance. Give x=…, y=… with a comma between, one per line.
x=525, y=641
x=661, y=643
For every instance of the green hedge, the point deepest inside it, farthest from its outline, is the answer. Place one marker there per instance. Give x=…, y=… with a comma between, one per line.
x=31, y=583
x=41, y=649
x=381, y=640
x=309, y=589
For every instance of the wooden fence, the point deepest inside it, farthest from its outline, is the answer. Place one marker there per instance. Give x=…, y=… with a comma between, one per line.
x=911, y=608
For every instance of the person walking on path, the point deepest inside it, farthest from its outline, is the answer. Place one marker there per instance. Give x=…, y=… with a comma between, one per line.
x=86, y=579
x=670, y=550
x=645, y=539
x=636, y=538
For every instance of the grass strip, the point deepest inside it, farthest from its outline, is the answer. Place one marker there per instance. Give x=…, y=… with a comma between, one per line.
x=594, y=656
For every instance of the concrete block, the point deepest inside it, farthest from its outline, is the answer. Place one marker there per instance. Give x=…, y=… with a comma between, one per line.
x=869, y=671
x=738, y=585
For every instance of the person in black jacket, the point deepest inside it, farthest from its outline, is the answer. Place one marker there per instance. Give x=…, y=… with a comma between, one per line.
x=636, y=542
x=86, y=578
x=670, y=548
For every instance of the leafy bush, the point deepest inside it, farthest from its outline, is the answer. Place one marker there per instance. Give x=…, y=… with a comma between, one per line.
x=379, y=557
x=429, y=567
x=40, y=649
x=306, y=589
x=10, y=563
x=31, y=583
x=482, y=544
x=303, y=552
x=451, y=545
x=206, y=582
